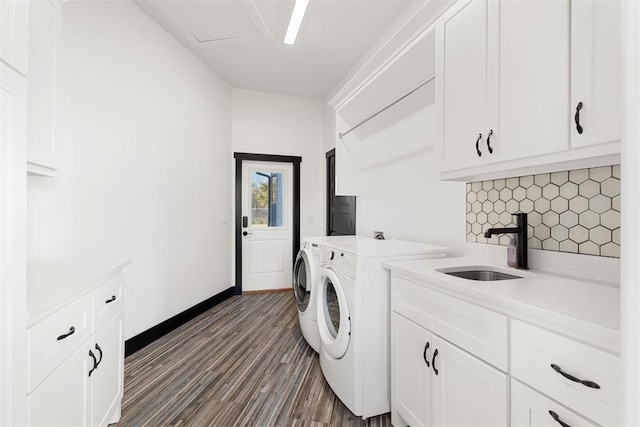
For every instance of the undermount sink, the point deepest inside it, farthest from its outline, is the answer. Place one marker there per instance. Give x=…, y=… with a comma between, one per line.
x=478, y=273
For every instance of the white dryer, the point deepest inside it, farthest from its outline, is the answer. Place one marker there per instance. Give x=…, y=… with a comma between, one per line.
x=306, y=277
x=354, y=318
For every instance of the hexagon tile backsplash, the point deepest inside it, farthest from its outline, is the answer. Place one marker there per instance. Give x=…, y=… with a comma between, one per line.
x=576, y=211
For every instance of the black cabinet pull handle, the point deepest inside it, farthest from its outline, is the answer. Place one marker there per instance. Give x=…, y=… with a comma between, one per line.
x=577, y=118
x=477, y=146
x=100, y=350
x=424, y=354
x=556, y=417
x=95, y=364
x=586, y=383
x=489, y=141
x=433, y=361
x=72, y=330
x=112, y=299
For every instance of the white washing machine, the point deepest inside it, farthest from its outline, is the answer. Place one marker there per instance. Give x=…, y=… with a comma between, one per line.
x=354, y=318
x=306, y=277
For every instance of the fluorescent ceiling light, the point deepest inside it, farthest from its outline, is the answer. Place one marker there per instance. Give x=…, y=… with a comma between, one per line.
x=296, y=19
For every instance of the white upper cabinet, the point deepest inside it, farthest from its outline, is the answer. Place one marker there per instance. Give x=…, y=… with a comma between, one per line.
x=596, y=64
x=14, y=33
x=461, y=82
x=528, y=79
x=502, y=83
x=45, y=19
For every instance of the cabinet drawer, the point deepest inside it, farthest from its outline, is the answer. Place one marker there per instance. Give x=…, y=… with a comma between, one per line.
x=107, y=300
x=55, y=338
x=532, y=409
x=534, y=350
x=481, y=332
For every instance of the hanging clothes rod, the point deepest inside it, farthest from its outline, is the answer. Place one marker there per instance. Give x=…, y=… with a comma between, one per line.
x=342, y=134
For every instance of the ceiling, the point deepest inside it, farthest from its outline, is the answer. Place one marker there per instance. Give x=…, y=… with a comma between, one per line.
x=241, y=40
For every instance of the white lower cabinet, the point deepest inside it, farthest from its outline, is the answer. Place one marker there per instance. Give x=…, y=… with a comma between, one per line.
x=411, y=377
x=63, y=398
x=107, y=378
x=436, y=383
x=76, y=367
x=448, y=369
x=577, y=375
x=532, y=409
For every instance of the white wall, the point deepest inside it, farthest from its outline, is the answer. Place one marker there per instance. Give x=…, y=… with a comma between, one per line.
x=267, y=123
x=400, y=191
x=144, y=142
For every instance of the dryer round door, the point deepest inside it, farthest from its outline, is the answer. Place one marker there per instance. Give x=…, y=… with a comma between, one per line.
x=334, y=321
x=303, y=281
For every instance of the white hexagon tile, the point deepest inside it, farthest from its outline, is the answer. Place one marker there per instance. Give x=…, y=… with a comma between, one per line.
x=573, y=211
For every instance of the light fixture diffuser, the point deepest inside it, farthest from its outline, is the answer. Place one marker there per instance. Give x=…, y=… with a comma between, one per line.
x=297, y=15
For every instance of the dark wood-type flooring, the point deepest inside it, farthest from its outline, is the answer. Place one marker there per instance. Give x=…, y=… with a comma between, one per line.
x=242, y=363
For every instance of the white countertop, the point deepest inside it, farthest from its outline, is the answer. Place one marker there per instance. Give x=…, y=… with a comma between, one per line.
x=53, y=284
x=368, y=247
x=588, y=311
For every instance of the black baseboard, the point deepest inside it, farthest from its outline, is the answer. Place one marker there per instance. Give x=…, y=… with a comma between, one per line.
x=145, y=338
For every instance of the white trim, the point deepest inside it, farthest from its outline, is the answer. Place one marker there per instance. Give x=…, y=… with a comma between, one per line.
x=410, y=26
x=630, y=292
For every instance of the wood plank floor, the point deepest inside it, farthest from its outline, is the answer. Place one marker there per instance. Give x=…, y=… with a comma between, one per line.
x=242, y=363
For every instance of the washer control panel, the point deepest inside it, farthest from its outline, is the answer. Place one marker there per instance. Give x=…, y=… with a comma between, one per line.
x=345, y=262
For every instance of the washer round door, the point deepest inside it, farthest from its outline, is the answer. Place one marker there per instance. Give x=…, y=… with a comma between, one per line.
x=303, y=281
x=333, y=315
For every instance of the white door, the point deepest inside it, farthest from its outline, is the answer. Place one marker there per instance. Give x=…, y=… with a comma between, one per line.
x=13, y=281
x=267, y=230
x=411, y=351
x=48, y=406
x=461, y=86
x=107, y=380
x=528, y=77
x=466, y=391
x=596, y=79
x=14, y=33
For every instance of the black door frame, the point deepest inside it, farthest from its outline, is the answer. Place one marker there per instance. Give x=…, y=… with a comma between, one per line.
x=328, y=202
x=295, y=161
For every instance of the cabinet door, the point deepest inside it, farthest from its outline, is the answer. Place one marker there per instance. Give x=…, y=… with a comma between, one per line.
x=5, y=369
x=45, y=17
x=13, y=112
x=466, y=391
x=411, y=349
x=596, y=76
x=13, y=122
x=532, y=409
x=461, y=83
x=107, y=380
x=528, y=77
x=63, y=399
x=14, y=33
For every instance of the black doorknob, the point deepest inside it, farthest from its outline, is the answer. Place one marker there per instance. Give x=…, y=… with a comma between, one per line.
x=245, y=233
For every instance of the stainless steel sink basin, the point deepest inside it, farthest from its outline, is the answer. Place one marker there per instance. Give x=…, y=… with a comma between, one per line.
x=480, y=275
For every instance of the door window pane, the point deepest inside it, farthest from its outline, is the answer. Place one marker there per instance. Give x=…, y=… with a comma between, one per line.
x=267, y=199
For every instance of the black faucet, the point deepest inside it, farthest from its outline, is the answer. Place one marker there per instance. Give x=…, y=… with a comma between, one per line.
x=520, y=231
